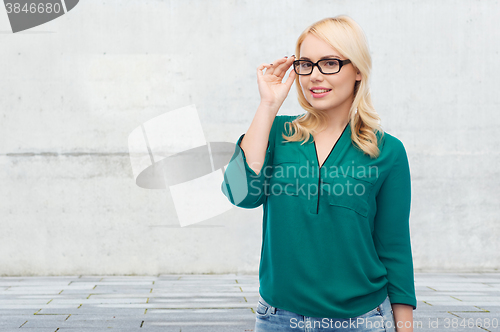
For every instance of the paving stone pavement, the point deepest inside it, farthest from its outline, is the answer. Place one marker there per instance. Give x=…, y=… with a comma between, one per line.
x=188, y=303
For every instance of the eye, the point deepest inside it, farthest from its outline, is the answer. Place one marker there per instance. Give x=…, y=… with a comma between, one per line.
x=305, y=64
x=331, y=63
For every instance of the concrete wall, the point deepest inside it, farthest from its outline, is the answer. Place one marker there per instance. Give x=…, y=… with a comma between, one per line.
x=73, y=89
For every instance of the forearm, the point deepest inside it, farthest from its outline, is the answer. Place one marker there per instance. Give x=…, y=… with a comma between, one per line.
x=403, y=317
x=254, y=143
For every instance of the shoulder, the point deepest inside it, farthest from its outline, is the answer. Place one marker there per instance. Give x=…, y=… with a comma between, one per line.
x=392, y=146
x=278, y=122
x=293, y=117
x=285, y=117
x=290, y=118
x=281, y=120
x=278, y=126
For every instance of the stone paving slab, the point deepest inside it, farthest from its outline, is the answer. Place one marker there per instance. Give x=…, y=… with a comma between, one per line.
x=212, y=303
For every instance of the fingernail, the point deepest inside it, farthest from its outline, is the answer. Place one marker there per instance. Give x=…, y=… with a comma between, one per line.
x=286, y=56
x=271, y=64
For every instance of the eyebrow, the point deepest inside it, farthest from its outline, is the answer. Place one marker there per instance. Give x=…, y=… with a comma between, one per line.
x=323, y=57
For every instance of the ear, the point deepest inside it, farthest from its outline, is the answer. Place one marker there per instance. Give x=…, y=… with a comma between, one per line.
x=358, y=75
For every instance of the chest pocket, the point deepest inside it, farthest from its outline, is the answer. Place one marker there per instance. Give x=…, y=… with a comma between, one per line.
x=348, y=192
x=285, y=179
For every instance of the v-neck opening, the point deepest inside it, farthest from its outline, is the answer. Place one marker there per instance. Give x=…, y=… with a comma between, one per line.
x=331, y=150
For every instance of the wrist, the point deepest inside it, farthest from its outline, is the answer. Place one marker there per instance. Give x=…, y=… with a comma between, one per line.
x=269, y=106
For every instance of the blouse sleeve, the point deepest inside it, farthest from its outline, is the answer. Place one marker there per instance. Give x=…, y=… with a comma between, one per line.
x=241, y=185
x=392, y=230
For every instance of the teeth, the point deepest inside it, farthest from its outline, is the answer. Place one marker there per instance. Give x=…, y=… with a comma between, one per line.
x=320, y=91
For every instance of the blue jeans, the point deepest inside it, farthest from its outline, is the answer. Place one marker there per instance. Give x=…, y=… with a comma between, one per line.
x=269, y=318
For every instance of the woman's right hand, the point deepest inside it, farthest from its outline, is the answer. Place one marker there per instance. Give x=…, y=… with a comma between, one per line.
x=272, y=91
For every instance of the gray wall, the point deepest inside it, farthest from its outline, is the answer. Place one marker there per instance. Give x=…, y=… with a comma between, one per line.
x=73, y=89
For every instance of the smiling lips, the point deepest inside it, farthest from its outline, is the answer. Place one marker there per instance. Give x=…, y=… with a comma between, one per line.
x=319, y=91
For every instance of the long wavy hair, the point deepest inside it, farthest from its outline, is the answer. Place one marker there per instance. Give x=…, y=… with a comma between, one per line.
x=346, y=36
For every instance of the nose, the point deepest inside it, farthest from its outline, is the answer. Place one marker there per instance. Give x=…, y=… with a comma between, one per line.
x=316, y=74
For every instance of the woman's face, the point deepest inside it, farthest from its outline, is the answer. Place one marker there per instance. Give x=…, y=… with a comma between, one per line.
x=340, y=86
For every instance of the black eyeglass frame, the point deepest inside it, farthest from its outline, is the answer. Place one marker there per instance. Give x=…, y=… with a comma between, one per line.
x=341, y=63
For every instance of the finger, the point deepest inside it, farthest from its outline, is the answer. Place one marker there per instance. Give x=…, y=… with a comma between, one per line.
x=290, y=79
x=275, y=65
x=270, y=68
x=283, y=67
x=261, y=68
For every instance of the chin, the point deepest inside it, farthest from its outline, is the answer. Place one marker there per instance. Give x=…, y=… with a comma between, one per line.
x=322, y=106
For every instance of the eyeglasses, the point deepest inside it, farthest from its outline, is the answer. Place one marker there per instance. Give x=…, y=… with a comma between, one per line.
x=325, y=66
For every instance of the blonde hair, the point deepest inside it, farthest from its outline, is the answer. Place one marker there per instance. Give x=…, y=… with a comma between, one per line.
x=346, y=36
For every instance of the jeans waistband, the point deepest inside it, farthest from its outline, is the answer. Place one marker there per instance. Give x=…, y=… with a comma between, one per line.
x=384, y=307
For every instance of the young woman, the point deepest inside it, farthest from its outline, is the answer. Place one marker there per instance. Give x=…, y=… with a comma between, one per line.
x=336, y=192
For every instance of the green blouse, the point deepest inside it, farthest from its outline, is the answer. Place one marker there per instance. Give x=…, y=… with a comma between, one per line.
x=336, y=252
